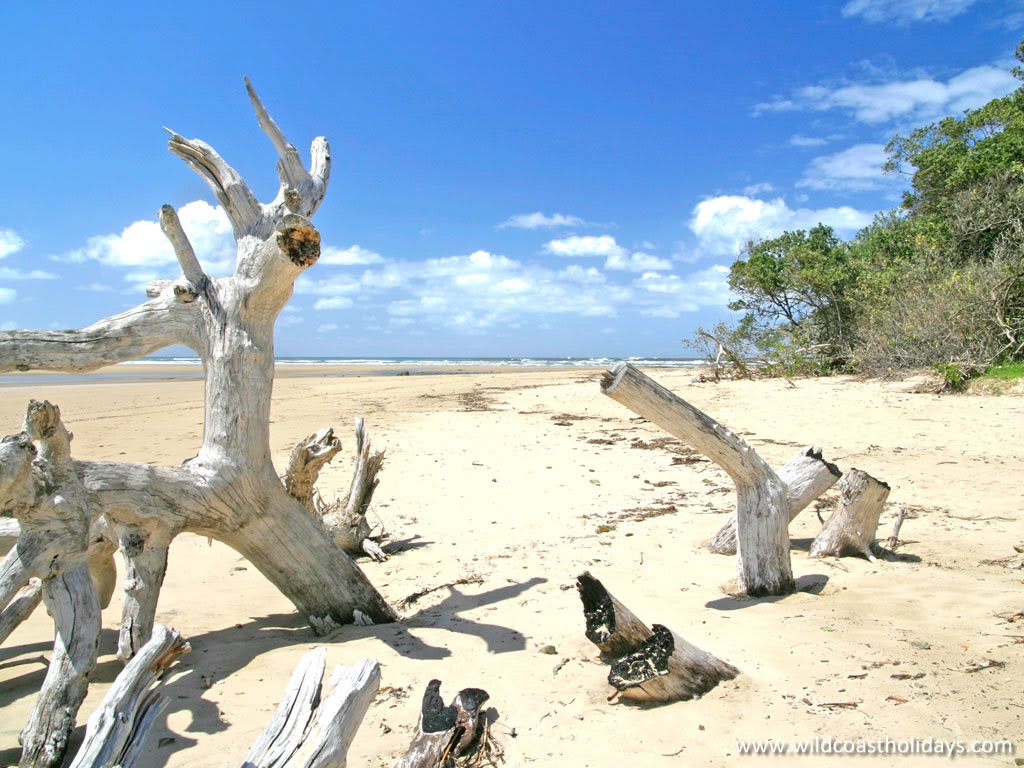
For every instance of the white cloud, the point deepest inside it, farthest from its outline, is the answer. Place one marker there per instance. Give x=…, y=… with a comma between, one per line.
x=8, y=273
x=857, y=168
x=538, y=220
x=354, y=255
x=327, y=328
x=585, y=245
x=807, y=141
x=7, y=295
x=724, y=224
x=333, y=302
x=10, y=242
x=636, y=262
x=705, y=288
x=142, y=247
x=906, y=11
x=577, y=274
x=920, y=100
x=331, y=286
x=758, y=189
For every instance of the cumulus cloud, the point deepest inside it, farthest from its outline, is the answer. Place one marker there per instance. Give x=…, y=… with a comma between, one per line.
x=759, y=189
x=705, y=288
x=920, y=100
x=7, y=295
x=857, y=168
x=636, y=262
x=724, y=224
x=10, y=242
x=906, y=11
x=807, y=141
x=142, y=248
x=585, y=245
x=354, y=255
x=538, y=220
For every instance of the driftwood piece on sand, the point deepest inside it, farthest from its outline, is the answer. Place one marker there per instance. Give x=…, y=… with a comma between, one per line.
x=806, y=476
x=345, y=519
x=647, y=664
x=444, y=734
x=310, y=730
x=117, y=728
x=762, y=509
x=853, y=525
x=230, y=490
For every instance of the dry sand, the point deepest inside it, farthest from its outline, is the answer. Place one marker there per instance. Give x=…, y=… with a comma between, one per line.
x=519, y=481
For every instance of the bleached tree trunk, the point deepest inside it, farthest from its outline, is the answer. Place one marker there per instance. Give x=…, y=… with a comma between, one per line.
x=852, y=527
x=230, y=490
x=762, y=508
x=314, y=731
x=144, y=549
x=117, y=728
x=25, y=601
x=806, y=476
x=445, y=733
x=648, y=664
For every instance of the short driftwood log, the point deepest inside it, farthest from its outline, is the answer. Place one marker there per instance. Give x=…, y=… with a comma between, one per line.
x=651, y=664
x=762, y=508
x=853, y=526
x=445, y=734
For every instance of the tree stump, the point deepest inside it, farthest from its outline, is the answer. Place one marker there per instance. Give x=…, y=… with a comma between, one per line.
x=447, y=733
x=647, y=664
x=852, y=527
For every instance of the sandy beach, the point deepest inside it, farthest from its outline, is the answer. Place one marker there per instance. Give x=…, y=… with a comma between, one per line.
x=515, y=482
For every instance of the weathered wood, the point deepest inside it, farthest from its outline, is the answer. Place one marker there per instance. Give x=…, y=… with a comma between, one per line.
x=144, y=549
x=852, y=527
x=117, y=728
x=60, y=516
x=447, y=733
x=647, y=664
x=306, y=461
x=762, y=509
x=309, y=730
x=20, y=608
x=806, y=476
x=346, y=520
x=894, y=538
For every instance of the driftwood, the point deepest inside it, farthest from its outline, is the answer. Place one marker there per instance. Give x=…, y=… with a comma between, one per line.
x=806, y=476
x=762, y=507
x=651, y=664
x=116, y=731
x=229, y=491
x=345, y=520
x=894, y=538
x=314, y=731
x=451, y=735
x=852, y=526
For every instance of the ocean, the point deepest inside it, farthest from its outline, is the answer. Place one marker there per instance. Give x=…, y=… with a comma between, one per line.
x=362, y=366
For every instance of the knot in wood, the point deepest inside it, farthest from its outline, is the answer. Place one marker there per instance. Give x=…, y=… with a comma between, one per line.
x=300, y=244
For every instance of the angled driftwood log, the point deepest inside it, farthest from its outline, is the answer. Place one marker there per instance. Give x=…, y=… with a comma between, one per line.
x=345, y=519
x=806, y=476
x=313, y=730
x=762, y=508
x=852, y=527
x=651, y=664
x=230, y=490
x=117, y=729
x=447, y=734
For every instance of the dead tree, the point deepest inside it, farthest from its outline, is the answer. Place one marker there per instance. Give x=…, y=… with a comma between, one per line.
x=447, y=734
x=806, y=476
x=762, y=507
x=344, y=519
x=852, y=527
x=230, y=490
x=651, y=664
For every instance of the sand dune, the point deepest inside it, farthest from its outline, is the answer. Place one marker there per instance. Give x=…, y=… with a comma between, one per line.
x=515, y=483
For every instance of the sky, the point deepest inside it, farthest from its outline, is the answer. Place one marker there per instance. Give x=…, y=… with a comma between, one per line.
x=541, y=179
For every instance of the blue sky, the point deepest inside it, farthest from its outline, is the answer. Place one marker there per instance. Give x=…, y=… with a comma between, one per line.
x=529, y=178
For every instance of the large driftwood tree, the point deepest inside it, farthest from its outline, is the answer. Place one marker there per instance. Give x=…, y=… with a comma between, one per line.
x=230, y=490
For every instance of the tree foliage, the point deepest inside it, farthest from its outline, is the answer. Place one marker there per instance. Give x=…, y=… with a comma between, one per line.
x=938, y=282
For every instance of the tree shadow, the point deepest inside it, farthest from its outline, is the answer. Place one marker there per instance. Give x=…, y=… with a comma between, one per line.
x=811, y=583
x=395, y=546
